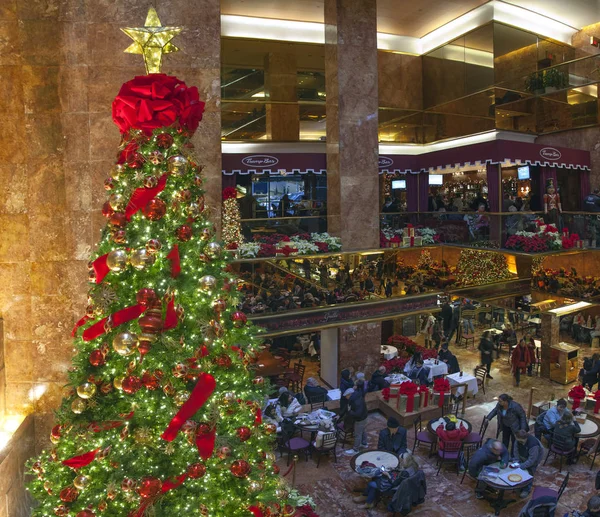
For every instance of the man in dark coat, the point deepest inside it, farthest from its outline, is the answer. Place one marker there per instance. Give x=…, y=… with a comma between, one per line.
x=528, y=452
x=491, y=452
x=511, y=418
x=378, y=382
x=392, y=438
x=410, y=493
x=446, y=314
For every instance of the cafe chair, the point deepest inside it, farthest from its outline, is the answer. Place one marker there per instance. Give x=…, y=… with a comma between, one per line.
x=477, y=438
x=317, y=402
x=558, y=448
x=328, y=444
x=466, y=338
x=343, y=433
x=451, y=403
x=481, y=375
x=549, y=492
x=451, y=453
x=586, y=447
x=296, y=378
x=423, y=437
x=468, y=450
x=296, y=445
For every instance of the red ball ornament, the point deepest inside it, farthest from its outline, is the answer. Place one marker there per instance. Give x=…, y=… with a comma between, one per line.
x=198, y=181
x=180, y=370
x=107, y=210
x=223, y=452
x=259, y=381
x=56, y=432
x=149, y=487
x=155, y=209
x=136, y=161
x=86, y=513
x=119, y=236
x=153, y=246
x=118, y=219
x=127, y=485
x=131, y=384
x=276, y=468
x=61, y=510
x=144, y=347
x=151, y=322
x=146, y=297
x=224, y=361
x=97, y=358
x=184, y=233
x=196, y=470
x=109, y=184
x=150, y=381
x=270, y=428
x=219, y=305
x=164, y=140
x=240, y=468
x=244, y=433
x=239, y=319
x=185, y=195
x=69, y=494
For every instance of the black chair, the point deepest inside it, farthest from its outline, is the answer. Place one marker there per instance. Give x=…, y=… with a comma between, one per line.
x=468, y=450
x=477, y=438
x=423, y=436
x=328, y=444
x=344, y=433
x=586, y=447
x=451, y=453
x=480, y=375
x=451, y=403
x=542, y=491
x=317, y=402
x=559, y=448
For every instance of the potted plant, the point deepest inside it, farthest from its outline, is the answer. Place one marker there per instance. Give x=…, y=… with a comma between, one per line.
x=535, y=83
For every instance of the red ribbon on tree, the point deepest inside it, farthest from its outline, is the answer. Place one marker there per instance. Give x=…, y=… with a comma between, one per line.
x=410, y=389
x=200, y=394
x=258, y=417
x=205, y=443
x=100, y=268
x=80, y=323
x=424, y=393
x=441, y=386
x=256, y=511
x=142, y=196
x=166, y=487
x=116, y=319
x=173, y=256
x=83, y=460
x=171, y=319
x=577, y=394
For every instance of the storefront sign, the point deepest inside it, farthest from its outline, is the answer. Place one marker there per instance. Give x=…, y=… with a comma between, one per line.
x=343, y=314
x=260, y=160
x=550, y=153
x=385, y=161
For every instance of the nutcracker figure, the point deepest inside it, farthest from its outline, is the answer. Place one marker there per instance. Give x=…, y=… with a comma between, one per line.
x=552, y=206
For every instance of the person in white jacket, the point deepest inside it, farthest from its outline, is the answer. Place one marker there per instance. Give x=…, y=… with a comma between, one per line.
x=428, y=330
x=287, y=405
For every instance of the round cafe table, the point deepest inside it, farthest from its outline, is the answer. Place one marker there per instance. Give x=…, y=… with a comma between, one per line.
x=389, y=352
x=432, y=425
x=498, y=502
x=589, y=429
x=378, y=458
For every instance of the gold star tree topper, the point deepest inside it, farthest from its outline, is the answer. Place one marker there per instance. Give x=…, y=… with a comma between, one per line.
x=152, y=41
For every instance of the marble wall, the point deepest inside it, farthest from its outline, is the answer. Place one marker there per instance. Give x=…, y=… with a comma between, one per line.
x=360, y=347
x=62, y=63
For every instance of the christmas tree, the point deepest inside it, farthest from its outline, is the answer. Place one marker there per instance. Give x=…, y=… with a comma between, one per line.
x=477, y=267
x=161, y=416
x=232, y=229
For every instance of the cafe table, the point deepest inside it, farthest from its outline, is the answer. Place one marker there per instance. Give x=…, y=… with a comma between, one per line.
x=378, y=458
x=389, y=352
x=432, y=425
x=467, y=379
x=501, y=484
x=267, y=365
x=589, y=429
x=441, y=368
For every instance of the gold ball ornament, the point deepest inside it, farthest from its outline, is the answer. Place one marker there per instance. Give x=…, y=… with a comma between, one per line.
x=228, y=398
x=86, y=390
x=193, y=210
x=117, y=260
x=281, y=493
x=181, y=397
x=78, y=406
x=117, y=171
x=270, y=428
x=125, y=343
x=116, y=202
x=213, y=249
x=205, y=234
x=150, y=181
x=81, y=481
x=156, y=157
x=208, y=282
x=140, y=258
x=178, y=165
x=255, y=486
x=118, y=382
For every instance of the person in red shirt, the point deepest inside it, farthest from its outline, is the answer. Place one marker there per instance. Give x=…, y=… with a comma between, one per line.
x=520, y=360
x=451, y=433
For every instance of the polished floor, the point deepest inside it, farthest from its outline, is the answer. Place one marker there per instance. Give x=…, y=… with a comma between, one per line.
x=332, y=484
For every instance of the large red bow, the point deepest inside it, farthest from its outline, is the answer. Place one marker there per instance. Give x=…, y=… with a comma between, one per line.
x=410, y=389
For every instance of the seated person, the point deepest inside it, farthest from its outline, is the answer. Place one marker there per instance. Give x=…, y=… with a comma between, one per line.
x=417, y=356
x=554, y=414
x=449, y=358
x=312, y=390
x=419, y=373
x=392, y=438
x=448, y=432
x=565, y=430
x=378, y=382
x=388, y=480
x=271, y=416
x=588, y=375
x=492, y=451
x=287, y=405
x=592, y=510
x=528, y=452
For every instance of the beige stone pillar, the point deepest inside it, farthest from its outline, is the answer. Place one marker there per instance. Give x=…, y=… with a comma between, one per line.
x=283, y=112
x=360, y=347
x=62, y=65
x=550, y=336
x=352, y=115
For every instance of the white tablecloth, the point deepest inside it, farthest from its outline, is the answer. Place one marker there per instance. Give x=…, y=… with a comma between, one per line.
x=440, y=421
x=389, y=352
x=435, y=369
x=397, y=378
x=467, y=379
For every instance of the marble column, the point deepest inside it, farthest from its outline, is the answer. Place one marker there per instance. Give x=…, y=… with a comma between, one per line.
x=2, y=373
x=62, y=64
x=283, y=111
x=352, y=115
x=359, y=347
x=550, y=336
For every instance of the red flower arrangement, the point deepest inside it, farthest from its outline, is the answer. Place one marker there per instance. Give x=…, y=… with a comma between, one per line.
x=395, y=365
x=153, y=101
x=533, y=244
x=229, y=193
x=267, y=250
x=385, y=393
x=441, y=385
x=305, y=511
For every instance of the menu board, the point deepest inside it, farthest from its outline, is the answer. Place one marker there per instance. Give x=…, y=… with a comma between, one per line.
x=409, y=326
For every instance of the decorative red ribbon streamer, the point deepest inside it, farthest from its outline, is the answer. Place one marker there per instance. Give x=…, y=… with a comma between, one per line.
x=256, y=511
x=101, y=268
x=202, y=391
x=171, y=319
x=80, y=323
x=118, y=318
x=576, y=403
x=83, y=460
x=110, y=424
x=410, y=389
x=258, y=417
x=597, y=405
x=424, y=392
x=166, y=487
x=141, y=196
x=173, y=256
x=205, y=443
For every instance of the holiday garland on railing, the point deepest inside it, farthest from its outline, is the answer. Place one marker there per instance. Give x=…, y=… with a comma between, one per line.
x=232, y=226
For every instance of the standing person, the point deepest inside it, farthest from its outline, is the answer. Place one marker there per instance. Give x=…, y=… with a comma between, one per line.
x=532, y=355
x=528, y=452
x=357, y=413
x=454, y=323
x=468, y=326
x=588, y=375
x=520, y=360
x=486, y=348
x=389, y=288
x=392, y=438
x=552, y=205
x=306, y=268
x=446, y=313
x=428, y=330
x=511, y=418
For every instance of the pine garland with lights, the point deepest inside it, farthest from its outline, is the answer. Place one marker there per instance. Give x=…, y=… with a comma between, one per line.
x=477, y=267
x=161, y=414
x=232, y=226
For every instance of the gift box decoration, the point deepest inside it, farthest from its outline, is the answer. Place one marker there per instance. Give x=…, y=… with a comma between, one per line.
x=577, y=394
x=441, y=390
x=412, y=241
x=409, y=397
x=425, y=396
